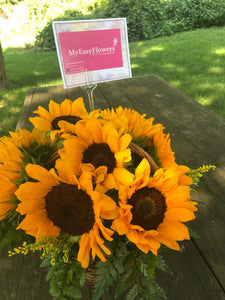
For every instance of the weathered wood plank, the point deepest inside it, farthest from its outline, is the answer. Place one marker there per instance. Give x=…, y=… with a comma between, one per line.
x=23, y=122
x=39, y=96
x=21, y=278
x=191, y=279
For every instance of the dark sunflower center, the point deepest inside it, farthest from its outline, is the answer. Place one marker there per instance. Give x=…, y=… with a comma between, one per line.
x=70, y=209
x=70, y=119
x=100, y=155
x=149, y=207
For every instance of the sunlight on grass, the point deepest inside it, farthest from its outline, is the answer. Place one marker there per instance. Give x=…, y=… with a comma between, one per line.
x=216, y=70
x=219, y=86
x=134, y=66
x=204, y=86
x=175, y=83
x=219, y=51
x=175, y=67
x=145, y=49
x=153, y=49
x=51, y=82
x=205, y=101
x=169, y=65
x=14, y=110
x=37, y=73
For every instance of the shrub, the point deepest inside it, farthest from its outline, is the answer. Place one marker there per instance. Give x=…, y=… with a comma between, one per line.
x=185, y=15
x=146, y=19
x=45, y=38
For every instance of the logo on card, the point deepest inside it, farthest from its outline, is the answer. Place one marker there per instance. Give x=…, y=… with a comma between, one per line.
x=91, y=50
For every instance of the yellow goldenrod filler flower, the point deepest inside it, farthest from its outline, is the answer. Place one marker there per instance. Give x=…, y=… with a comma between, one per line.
x=69, y=111
x=131, y=121
x=61, y=202
x=152, y=209
x=101, y=149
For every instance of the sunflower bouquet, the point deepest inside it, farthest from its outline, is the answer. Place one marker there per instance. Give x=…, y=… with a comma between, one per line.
x=98, y=195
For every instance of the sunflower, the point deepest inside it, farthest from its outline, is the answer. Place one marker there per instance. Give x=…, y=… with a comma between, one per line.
x=153, y=209
x=61, y=202
x=15, y=152
x=100, y=149
x=69, y=111
x=7, y=190
x=10, y=166
x=154, y=140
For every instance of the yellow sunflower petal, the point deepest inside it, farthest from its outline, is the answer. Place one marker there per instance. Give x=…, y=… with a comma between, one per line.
x=84, y=252
x=78, y=108
x=4, y=208
x=123, y=176
x=66, y=107
x=54, y=109
x=109, y=209
x=110, y=182
x=172, y=230
x=93, y=126
x=41, y=174
x=120, y=225
x=43, y=113
x=64, y=171
x=66, y=126
x=124, y=141
x=40, y=123
x=83, y=133
x=169, y=243
x=143, y=169
x=122, y=157
x=179, y=214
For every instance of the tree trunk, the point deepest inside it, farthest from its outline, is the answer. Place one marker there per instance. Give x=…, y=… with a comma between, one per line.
x=3, y=78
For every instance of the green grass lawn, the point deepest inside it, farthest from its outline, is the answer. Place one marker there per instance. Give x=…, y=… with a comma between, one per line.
x=191, y=61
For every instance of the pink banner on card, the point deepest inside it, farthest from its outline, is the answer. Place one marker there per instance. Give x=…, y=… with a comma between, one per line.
x=91, y=50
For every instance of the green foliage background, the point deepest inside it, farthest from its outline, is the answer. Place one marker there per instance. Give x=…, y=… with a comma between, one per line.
x=146, y=19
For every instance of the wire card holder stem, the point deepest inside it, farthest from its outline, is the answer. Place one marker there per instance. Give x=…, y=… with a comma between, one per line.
x=89, y=89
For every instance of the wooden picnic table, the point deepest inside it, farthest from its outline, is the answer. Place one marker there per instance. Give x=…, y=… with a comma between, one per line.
x=197, y=137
